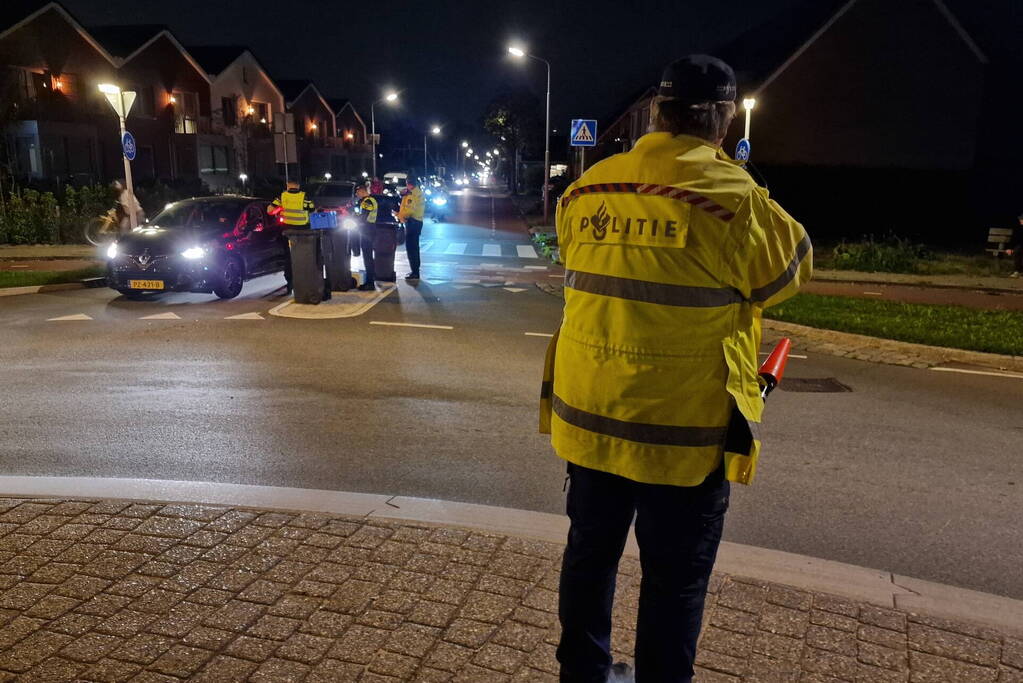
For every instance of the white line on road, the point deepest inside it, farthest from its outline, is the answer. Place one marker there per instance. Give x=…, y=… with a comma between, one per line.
x=874, y=293
x=456, y=248
x=425, y=246
x=536, y=267
x=978, y=372
x=492, y=250
x=429, y=327
x=161, y=316
x=76, y=316
x=526, y=251
x=791, y=355
x=514, y=290
x=245, y=316
x=561, y=276
x=537, y=334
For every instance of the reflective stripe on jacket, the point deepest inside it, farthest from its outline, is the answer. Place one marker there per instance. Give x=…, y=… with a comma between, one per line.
x=370, y=208
x=294, y=207
x=413, y=205
x=671, y=254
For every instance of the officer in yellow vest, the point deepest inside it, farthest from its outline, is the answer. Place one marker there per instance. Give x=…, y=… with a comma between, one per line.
x=292, y=209
x=411, y=213
x=651, y=391
x=369, y=212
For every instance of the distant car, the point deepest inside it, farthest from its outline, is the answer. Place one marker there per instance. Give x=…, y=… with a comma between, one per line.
x=336, y=196
x=207, y=244
x=394, y=183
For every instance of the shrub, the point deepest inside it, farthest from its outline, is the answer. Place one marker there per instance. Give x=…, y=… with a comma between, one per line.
x=893, y=254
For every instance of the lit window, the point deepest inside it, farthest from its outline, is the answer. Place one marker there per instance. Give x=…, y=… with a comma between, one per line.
x=186, y=112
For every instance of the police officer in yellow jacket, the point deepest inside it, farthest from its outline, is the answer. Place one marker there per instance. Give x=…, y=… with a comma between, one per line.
x=651, y=392
x=411, y=213
x=369, y=212
x=292, y=209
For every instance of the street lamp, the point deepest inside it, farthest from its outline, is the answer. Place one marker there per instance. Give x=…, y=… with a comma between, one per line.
x=389, y=97
x=520, y=53
x=243, y=177
x=327, y=176
x=435, y=130
x=464, y=144
x=121, y=102
x=748, y=104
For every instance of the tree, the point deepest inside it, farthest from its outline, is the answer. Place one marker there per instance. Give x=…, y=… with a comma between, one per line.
x=515, y=117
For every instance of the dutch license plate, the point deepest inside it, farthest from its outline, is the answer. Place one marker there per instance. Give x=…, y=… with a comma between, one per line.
x=145, y=284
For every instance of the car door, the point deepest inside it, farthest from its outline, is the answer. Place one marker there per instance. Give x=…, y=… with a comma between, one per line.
x=265, y=240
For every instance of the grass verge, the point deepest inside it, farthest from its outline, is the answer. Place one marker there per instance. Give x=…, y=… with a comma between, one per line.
x=32, y=278
x=955, y=327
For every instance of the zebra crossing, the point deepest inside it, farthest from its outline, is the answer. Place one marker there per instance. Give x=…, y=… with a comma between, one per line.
x=438, y=247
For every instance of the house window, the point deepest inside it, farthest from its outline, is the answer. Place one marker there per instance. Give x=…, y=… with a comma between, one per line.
x=186, y=112
x=262, y=115
x=65, y=84
x=26, y=83
x=230, y=111
x=145, y=102
x=213, y=159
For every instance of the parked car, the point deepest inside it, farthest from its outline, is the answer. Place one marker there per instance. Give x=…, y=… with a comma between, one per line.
x=394, y=183
x=207, y=244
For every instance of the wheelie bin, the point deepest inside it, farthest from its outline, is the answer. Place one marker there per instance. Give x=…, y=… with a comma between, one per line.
x=385, y=243
x=306, y=265
x=337, y=259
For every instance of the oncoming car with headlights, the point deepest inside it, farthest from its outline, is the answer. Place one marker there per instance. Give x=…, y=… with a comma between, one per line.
x=208, y=244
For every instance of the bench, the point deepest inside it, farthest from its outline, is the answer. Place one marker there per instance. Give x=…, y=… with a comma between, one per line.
x=998, y=239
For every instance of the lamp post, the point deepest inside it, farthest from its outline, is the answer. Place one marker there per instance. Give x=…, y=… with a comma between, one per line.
x=436, y=131
x=389, y=97
x=748, y=104
x=121, y=102
x=520, y=53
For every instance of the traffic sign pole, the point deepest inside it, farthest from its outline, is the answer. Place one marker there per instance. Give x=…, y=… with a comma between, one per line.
x=122, y=113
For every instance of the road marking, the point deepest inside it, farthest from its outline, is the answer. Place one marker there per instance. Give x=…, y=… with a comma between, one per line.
x=245, y=316
x=526, y=251
x=456, y=248
x=76, y=316
x=514, y=290
x=465, y=281
x=561, y=276
x=425, y=246
x=161, y=316
x=978, y=372
x=461, y=286
x=874, y=293
x=492, y=250
x=537, y=334
x=536, y=267
x=429, y=327
x=791, y=355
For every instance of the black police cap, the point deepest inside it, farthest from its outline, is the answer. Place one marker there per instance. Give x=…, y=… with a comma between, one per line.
x=698, y=78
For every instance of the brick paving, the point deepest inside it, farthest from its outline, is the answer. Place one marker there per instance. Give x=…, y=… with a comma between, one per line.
x=117, y=591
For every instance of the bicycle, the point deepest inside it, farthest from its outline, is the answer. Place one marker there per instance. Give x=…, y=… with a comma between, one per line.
x=102, y=229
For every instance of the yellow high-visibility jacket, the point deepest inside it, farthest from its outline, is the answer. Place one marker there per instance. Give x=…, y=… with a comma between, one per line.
x=671, y=253
x=293, y=207
x=413, y=205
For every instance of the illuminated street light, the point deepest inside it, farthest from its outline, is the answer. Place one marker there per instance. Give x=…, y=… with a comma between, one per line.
x=520, y=53
x=426, y=166
x=497, y=152
x=392, y=96
x=327, y=175
x=748, y=104
x=464, y=144
x=121, y=101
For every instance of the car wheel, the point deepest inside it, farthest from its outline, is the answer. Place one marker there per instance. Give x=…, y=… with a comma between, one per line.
x=231, y=279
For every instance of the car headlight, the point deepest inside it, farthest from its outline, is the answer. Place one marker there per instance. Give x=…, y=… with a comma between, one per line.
x=194, y=253
x=440, y=201
x=349, y=224
x=112, y=251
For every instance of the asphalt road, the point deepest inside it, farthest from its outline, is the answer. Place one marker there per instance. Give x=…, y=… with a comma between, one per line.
x=913, y=471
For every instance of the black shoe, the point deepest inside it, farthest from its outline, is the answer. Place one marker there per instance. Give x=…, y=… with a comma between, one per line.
x=368, y=287
x=621, y=673
x=412, y=276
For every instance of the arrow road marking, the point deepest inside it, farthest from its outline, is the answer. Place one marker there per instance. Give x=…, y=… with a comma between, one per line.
x=429, y=327
x=161, y=316
x=76, y=316
x=514, y=290
x=245, y=316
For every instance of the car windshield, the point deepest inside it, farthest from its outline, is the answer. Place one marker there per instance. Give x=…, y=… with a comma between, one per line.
x=197, y=214
x=334, y=190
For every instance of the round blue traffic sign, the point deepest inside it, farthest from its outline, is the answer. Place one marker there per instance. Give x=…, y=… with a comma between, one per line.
x=742, y=150
x=128, y=145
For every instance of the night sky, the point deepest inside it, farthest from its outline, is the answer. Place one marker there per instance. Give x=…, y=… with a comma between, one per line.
x=450, y=58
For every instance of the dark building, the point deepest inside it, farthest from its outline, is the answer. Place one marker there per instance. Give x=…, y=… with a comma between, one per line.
x=867, y=118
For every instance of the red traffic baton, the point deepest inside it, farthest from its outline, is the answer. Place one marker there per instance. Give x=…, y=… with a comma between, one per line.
x=774, y=367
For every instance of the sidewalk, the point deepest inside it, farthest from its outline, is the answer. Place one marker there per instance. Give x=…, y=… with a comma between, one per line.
x=49, y=252
x=981, y=282
x=117, y=591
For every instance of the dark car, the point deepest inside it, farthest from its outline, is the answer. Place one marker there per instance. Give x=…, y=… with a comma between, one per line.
x=208, y=244
x=337, y=196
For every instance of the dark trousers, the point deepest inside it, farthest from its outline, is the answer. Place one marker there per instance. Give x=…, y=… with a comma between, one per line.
x=366, y=235
x=678, y=530
x=413, y=229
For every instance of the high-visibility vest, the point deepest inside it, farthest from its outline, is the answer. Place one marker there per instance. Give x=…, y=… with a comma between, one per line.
x=293, y=208
x=370, y=209
x=671, y=253
x=413, y=205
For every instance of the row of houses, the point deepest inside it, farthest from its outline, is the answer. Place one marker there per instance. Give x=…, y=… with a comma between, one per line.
x=201, y=113
x=871, y=117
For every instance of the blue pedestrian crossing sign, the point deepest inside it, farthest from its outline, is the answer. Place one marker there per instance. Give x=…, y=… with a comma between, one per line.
x=584, y=133
x=128, y=145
